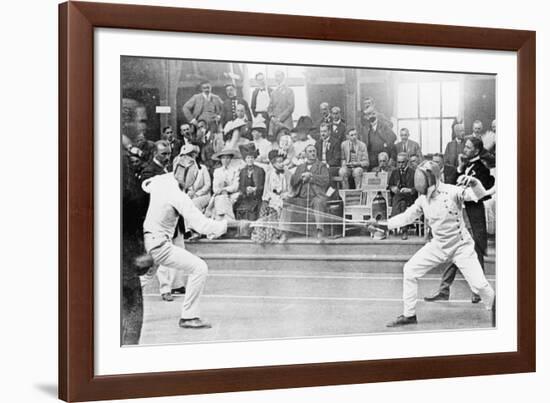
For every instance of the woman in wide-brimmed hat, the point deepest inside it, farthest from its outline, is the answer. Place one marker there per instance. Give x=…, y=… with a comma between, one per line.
x=251, y=186
x=225, y=185
x=235, y=132
x=276, y=190
x=264, y=146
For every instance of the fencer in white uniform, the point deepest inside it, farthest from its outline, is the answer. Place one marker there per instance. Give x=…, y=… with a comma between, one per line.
x=167, y=202
x=441, y=204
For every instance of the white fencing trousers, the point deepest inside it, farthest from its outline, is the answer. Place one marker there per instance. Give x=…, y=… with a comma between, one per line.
x=432, y=255
x=168, y=277
x=176, y=257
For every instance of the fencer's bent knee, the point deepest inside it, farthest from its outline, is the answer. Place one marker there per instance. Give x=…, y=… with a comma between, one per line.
x=201, y=268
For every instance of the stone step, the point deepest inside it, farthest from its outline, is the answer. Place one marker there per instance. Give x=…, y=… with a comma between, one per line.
x=302, y=246
x=349, y=263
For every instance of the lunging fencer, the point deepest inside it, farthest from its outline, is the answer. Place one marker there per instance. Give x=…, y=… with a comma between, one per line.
x=441, y=204
x=169, y=201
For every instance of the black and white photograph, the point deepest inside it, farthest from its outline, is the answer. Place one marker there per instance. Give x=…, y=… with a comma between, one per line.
x=265, y=201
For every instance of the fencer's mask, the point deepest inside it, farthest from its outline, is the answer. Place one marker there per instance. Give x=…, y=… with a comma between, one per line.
x=426, y=177
x=186, y=172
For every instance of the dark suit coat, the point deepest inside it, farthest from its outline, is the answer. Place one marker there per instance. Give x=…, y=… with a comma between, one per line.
x=151, y=169
x=407, y=182
x=413, y=148
x=338, y=131
x=318, y=183
x=333, y=153
x=255, y=98
x=450, y=175
x=476, y=210
x=258, y=176
x=379, y=140
x=176, y=148
x=228, y=113
x=452, y=150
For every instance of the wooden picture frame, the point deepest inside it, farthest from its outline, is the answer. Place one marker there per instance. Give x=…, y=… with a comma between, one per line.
x=77, y=21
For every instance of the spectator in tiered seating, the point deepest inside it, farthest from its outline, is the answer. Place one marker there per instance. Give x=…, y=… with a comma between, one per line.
x=225, y=185
x=276, y=191
x=281, y=105
x=448, y=172
x=233, y=133
x=229, y=111
x=185, y=135
x=355, y=160
x=369, y=107
x=206, y=106
x=160, y=163
x=456, y=146
x=251, y=186
x=337, y=125
x=147, y=147
x=414, y=161
x=212, y=144
x=170, y=138
x=383, y=163
x=301, y=138
x=264, y=146
x=406, y=145
x=381, y=138
x=286, y=146
x=325, y=117
x=489, y=138
x=261, y=98
x=309, y=185
x=329, y=150
x=401, y=185
x=477, y=129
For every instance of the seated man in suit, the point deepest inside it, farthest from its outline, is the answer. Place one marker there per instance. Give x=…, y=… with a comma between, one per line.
x=355, y=160
x=406, y=145
x=328, y=150
x=401, y=184
x=309, y=185
x=455, y=147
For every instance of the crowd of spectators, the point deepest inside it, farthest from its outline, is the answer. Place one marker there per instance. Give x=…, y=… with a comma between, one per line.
x=253, y=161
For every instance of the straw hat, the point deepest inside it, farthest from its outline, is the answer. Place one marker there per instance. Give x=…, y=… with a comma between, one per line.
x=233, y=124
x=226, y=151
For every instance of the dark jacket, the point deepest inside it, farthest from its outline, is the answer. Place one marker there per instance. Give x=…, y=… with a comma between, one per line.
x=255, y=97
x=452, y=150
x=402, y=181
x=449, y=174
x=338, y=131
x=258, y=176
x=476, y=210
x=151, y=169
x=230, y=107
x=379, y=140
x=333, y=153
x=318, y=184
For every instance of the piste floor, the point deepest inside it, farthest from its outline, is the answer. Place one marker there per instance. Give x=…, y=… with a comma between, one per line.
x=281, y=302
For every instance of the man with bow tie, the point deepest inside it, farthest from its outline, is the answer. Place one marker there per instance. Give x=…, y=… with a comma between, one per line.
x=408, y=146
x=328, y=150
x=337, y=124
x=401, y=184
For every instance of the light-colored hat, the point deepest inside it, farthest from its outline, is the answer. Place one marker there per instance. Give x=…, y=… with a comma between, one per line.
x=259, y=123
x=188, y=149
x=233, y=124
x=226, y=151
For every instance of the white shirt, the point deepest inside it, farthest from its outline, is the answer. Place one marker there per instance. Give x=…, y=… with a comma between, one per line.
x=262, y=100
x=264, y=146
x=166, y=204
x=443, y=211
x=226, y=178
